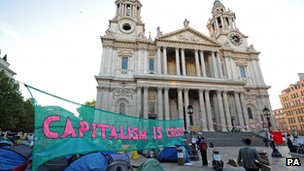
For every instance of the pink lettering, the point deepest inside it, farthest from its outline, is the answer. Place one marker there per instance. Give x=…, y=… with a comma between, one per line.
x=46, y=126
x=103, y=128
x=84, y=127
x=142, y=134
x=113, y=133
x=68, y=130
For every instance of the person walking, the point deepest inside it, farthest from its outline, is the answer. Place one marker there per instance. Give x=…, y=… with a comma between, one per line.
x=203, y=150
x=248, y=155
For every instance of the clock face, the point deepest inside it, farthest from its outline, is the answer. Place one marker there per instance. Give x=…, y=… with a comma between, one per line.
x=235, y=39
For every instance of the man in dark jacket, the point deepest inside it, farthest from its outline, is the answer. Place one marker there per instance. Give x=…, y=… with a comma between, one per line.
x=247, y=156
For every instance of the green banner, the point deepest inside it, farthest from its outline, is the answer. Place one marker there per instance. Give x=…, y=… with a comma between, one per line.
x=63, y=127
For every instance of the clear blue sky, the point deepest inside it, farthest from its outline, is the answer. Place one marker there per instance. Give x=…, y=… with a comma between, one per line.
x=55, y=45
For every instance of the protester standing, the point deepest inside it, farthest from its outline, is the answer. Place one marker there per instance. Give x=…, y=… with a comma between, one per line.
x=247, y=156
x=203, y=150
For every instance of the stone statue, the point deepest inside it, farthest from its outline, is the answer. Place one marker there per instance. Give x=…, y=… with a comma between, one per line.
x=186, y=23
x=159, y=33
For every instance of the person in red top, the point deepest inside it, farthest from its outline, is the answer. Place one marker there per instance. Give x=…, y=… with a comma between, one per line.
x=203, y=150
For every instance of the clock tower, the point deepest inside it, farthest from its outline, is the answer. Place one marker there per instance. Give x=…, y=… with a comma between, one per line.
x=222, y=27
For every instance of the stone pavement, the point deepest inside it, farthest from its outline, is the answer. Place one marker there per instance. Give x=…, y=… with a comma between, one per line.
x=276, y=164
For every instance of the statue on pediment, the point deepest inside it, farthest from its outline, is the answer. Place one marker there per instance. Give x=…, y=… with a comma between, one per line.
x=186, y=23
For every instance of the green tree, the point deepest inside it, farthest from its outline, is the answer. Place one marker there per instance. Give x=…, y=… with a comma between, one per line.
x=11, y=103
x=90, y=103
x=26, y=118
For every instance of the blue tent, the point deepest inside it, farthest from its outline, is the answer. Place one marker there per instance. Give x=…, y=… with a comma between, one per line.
x=169, y=154
x=91, y=161
x=10, y=159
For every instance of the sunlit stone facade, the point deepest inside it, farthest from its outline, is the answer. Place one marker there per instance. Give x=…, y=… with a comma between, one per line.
x=219, y=75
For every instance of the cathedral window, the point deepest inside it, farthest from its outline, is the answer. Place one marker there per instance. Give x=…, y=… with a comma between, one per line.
x=151, y=66
x=124, y=63
x=242, y=72
x=128, y=10
x=219, y=22
x=122, y=108
x=250, y=113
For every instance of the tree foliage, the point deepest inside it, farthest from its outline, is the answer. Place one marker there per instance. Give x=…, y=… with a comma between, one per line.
x=15, y=114
x=91, y=103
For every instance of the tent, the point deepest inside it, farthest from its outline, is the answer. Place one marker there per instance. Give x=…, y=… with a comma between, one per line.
x=10, y=159
x=150, y=165
x=91, y=161
x=169, y=154
x=96, y=161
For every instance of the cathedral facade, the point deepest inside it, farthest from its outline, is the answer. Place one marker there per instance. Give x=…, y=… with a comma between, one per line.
x=218, y=76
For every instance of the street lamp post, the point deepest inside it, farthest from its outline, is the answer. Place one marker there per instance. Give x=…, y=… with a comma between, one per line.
x=193, y=152
x=190, y=112
x=275, y=151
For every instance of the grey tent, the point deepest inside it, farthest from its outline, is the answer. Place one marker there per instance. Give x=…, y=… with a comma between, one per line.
x=151, y=165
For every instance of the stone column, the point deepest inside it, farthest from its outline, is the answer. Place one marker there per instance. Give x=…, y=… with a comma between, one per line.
x=203, y=110
x=214, y=65
x=186, y=98
x=203, y=64
x=106, y=97
x=165, y=60
x=245, y=111
x=180, y=103
x=260, y=71
x=146, y=105
x=220, y=75
x=208, y=108
x=226, y=108
x=160, y=110
x=167, y=110
x=239, y=110
x=177, y=61
x=158, y=61
x=99, y=98
x=197, y=65
x=138, y=105
x=227, y=61
x=221, y=110
x=183, y=63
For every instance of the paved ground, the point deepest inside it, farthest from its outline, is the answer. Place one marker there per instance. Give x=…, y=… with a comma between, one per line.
x=276, y=164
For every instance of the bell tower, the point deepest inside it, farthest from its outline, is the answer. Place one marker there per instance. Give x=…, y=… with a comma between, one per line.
x=127, y=22
x=222, y=27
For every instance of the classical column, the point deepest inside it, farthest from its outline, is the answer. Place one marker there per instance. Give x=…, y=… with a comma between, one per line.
x=167, y=111
x=226, y=109
x=160, y=114
x=245, y=112
x=183, y=63
x=99, y=98
x=177, y=61
x=203, y=110
x=220, y=74
x=146, y=105
x=239, y=110
x=227, y=61
x=256, y=71
x=180, y=103
x=186, y=98
x=214, y=65
x=105, y=99
x=221, y=110
x=165, y=60
x=197, y=65
x=203, y=65
x=138, y=105
x=259, y=71
x=158, y=61
x=208, y=108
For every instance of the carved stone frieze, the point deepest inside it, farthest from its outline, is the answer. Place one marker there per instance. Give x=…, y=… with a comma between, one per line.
x=250, y=97
x=123, y=92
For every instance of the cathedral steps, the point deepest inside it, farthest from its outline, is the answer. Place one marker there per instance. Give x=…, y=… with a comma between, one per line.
x=231, y=139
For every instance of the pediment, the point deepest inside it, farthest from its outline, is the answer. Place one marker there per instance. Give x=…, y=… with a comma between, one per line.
x=188, y=35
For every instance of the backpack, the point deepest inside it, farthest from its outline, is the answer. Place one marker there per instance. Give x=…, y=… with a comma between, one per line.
x=203, y=146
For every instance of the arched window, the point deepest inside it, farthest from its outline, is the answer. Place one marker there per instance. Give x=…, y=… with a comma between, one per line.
x=122, y=108
x=249, y=113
